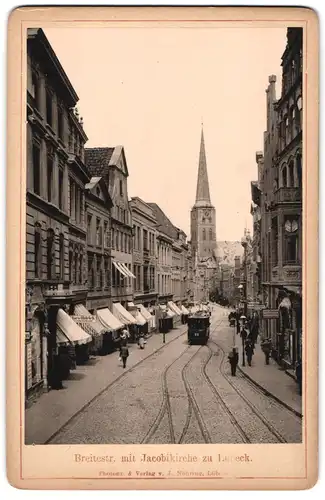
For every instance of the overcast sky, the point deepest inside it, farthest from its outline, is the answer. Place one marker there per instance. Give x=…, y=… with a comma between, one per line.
x=149, y=90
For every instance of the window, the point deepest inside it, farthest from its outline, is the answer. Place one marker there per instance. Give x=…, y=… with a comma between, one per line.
x=90, y=272
x=50, y=254
x=35, y=89
x=291, y=181
x=36, y=169
x=81, y=267
x=284, y=177
x=299, y=172
x=117, y=239
x=107, y=276
x=61, y=256
x=89, y=224
x=145, y=240
x=291, y=241
x=76, y=201
x=49, y=111
x=60, y=123
x=274, y=247
x=121, y=242
x=49, y=177
x=72, y=199
x=210, y=234
x=121, y=188
x=125, y=243
x=38, y=250
x=106, y=235
x=114, y=272
x=60, y=188
x=113, y=239
x=99, y=273
x=76, y=265
x=203, y=235
x=70, y=265
x=138, y=275
x=99, y=236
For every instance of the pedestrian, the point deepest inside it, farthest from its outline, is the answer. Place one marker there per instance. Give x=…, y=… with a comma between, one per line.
x=124, y=354
x=233, y=360
x=299, y=376
x=249, y=349
x=254, y=327
x=266, y=348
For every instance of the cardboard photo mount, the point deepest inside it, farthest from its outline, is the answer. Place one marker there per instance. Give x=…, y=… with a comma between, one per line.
x=275, y=467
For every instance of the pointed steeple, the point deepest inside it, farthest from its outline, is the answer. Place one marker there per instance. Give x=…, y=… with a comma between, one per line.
x=202, y=188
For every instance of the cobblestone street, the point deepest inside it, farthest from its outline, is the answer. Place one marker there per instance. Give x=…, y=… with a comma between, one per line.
x=185, y=394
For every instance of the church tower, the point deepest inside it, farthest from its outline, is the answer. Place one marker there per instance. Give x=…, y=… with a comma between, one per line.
x=203, y=216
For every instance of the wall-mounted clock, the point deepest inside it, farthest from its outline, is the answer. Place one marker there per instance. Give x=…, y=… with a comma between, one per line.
x=291, y=226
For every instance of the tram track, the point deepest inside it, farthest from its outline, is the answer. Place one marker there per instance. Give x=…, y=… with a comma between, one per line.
x=251, y=405
x=110, y=385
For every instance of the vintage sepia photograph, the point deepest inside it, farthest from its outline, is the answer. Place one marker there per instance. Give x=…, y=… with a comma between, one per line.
x=164, y=236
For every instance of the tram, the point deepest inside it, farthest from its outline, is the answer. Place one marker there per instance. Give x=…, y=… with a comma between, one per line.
x=198, y=328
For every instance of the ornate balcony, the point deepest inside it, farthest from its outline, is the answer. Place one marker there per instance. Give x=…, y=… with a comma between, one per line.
x=288, y=195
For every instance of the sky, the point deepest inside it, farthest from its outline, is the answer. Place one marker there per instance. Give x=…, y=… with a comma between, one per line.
x=149, y=90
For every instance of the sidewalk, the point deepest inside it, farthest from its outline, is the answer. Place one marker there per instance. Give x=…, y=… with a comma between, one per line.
x=270, y=378
x=53, y=409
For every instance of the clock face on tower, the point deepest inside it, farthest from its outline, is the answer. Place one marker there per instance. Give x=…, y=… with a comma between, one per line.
x=206, y=213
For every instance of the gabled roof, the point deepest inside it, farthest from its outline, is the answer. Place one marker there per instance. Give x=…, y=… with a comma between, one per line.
x=164, y=225
x=99, y=181
x=99, y=160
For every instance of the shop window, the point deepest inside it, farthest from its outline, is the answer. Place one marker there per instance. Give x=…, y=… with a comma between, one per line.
x=38, y=250
x=49, y=178
x=49, y=110
x=50, y=254
x=37, y=169
x=60, y=188
x=61, y=256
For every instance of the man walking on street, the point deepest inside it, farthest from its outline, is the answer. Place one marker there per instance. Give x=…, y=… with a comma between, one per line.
x=233, y=360
x=249, y=349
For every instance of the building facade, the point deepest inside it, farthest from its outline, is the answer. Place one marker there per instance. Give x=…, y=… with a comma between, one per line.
x=110, y=164
x=144, y=253
x=277, y=198
x=99, y=244
x=55, y=210
x=203, y=232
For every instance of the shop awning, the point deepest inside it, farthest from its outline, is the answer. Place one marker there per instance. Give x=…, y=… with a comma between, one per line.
x=127, y=270
x=131, y=304
x=67, y=329
x=184, y=310
x=145, y=313
x=122, y=314
x=118, y=266
x=88, y=322
x=108, y=320
x=138, y=317
x=174, y=308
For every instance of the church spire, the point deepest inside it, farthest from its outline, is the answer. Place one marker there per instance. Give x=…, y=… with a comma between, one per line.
x=202, y=188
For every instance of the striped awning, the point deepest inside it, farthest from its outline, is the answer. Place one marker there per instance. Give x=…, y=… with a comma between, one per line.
x=87, y=321
x=68, y=332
